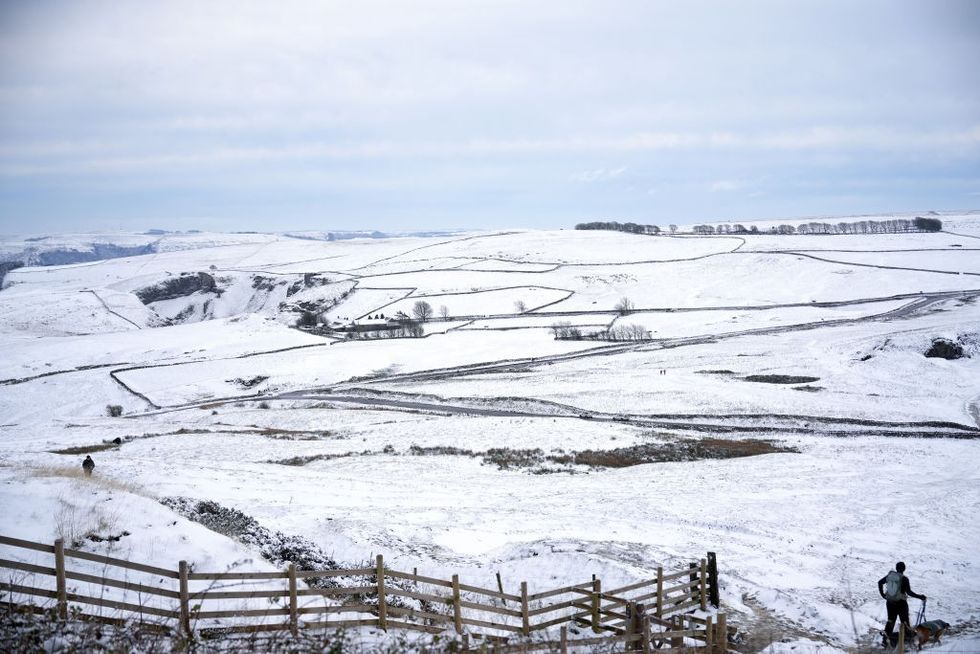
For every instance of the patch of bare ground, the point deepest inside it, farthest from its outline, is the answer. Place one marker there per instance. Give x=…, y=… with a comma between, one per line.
x=303, y=460
x=268, y=432
x=780, y=379
x=681, y=450
x=292, y=434
x=88, y=449
x=537, y=461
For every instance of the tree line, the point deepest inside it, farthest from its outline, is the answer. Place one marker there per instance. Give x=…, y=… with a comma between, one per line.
x=890, y=226
x=629, y=228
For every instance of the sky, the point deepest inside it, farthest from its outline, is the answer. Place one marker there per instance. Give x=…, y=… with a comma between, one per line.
x=404, y=116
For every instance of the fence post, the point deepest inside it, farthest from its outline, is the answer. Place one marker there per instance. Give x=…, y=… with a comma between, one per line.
x=525, y=618
x=713, y=595
x=646, y=635
x=457, y=617
x=564, y=640
x=708, y=640
x=629, y=627
x=59, y=567
x=500, y=586
x=660, y=592
x=703, y=593
x=382, y=607
x=676, y=624
x=722, y=634
x=901, y=637
x=185, y=609
x=596, y=593
x=293, y=601
x=634, y=625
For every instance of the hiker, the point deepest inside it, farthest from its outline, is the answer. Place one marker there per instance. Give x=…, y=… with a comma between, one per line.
x=88, y=465
x=894, y=588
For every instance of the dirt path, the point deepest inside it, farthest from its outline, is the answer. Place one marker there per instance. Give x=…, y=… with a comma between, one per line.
x=760, y=629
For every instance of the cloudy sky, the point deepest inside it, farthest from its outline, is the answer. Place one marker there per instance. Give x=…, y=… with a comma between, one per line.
x=424, y=115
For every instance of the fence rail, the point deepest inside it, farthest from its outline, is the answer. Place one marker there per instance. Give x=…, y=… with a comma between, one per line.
x=637, y=616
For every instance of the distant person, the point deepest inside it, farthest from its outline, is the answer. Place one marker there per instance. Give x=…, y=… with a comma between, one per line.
x=895, y=590
x=88, y=465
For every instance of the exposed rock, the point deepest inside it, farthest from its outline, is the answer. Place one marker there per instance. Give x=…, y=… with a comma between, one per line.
x=943, y=349
x=175, y=287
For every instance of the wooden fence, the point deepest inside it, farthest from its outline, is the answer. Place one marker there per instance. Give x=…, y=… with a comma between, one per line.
x=655, y=613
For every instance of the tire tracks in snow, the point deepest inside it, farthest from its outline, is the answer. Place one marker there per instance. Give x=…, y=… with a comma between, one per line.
x=781, y=424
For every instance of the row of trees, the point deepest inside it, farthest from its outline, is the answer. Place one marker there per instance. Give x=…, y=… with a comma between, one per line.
x=405, y=329
x=423, y=311
x=891, y=226
x=566, y=331
x=630, y=228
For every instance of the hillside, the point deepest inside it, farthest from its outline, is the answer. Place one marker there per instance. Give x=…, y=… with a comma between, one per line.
x=765, y=397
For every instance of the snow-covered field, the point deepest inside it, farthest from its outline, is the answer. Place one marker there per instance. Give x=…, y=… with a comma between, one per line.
x=380, y=445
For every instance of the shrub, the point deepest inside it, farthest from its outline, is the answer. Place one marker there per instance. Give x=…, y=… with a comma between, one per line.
x=114, y=410
x=566, y=331
x=505, y=458
x=439, y=450
x=307, y=319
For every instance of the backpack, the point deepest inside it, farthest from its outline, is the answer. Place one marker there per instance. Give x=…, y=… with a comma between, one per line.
x=893, y=586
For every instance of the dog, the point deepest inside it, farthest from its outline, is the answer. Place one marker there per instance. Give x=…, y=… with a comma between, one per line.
x=931, y=630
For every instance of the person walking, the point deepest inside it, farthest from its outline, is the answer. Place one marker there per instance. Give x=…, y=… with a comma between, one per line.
x=895, y=589
x=88, y=465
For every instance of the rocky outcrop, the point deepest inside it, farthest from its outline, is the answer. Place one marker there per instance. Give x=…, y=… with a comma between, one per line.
x=175, y=287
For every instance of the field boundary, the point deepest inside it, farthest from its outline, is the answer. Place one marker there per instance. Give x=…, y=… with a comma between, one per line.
x=650, y=614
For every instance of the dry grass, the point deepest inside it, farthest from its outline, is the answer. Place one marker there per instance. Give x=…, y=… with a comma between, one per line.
x=76, y=472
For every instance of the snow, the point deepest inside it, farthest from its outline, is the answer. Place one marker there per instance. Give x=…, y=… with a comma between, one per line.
x=706, y=322
x=483, y=302
x=966, y=262
x=28, y=356
x=800, y=536
x=895, y=383
x=205, y=380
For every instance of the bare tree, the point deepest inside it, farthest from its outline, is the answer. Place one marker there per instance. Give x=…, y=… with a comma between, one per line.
x=673, y=229
x=626, y=333
x=444, y=312
x=520, y=306
x=565, y=331
x=624, y=307
x=422, y=310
